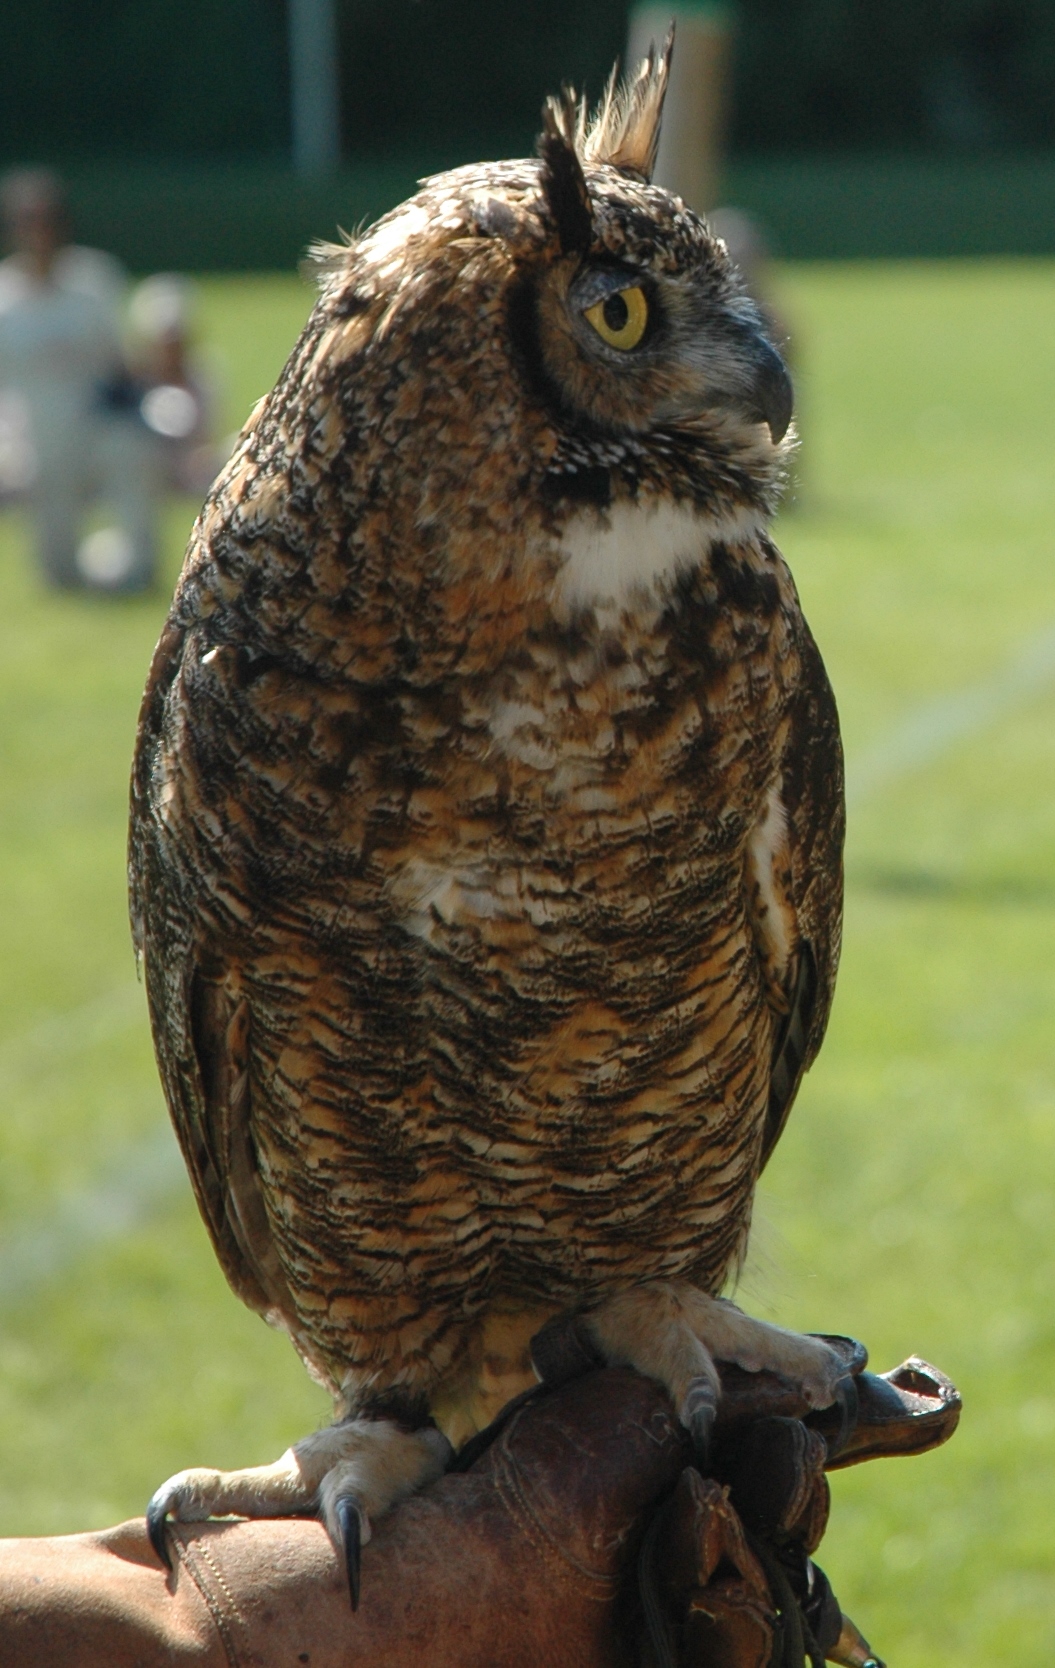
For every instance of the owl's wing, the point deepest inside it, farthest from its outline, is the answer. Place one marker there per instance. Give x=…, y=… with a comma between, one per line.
x=201, y=1022
x=814, y=815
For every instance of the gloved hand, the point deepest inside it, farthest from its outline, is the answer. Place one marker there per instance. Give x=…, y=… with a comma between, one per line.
x=580, y=1537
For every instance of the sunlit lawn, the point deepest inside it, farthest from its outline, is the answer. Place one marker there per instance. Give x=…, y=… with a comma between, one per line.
x=912, y=1201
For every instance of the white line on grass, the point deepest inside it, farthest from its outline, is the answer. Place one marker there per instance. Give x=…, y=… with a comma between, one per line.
x=147, y=1174
x=134, y=1182
x=937, y=725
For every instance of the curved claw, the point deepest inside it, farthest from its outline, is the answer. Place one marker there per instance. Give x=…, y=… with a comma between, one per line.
x=847, y=1401
x=346, y=1511
x=157, y=1518
x=698, y=1415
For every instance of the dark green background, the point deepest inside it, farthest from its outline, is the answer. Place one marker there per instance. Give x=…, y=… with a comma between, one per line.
x=242, y=217
x=207, y=78
x=860, y=128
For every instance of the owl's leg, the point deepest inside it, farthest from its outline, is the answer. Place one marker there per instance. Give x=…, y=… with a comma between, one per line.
x=349, y=1473
x=674, y=1332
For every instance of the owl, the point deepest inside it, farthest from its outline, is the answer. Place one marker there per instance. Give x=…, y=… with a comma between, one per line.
x=487, y=818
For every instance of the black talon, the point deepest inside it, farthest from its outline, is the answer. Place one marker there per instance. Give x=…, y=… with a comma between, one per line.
x=847, y=1401
x=347, y=1515
x=701, y=1425
x=699, y=1414
x=157, y=1520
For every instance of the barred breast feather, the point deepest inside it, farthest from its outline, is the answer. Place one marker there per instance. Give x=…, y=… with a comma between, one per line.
x=487, y=811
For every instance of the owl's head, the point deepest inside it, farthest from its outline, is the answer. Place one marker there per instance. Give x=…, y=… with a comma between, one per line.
x=642, y=322
x=559, y=335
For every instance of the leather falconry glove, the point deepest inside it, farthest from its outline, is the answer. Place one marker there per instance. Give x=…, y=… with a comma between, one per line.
x=580, y=1536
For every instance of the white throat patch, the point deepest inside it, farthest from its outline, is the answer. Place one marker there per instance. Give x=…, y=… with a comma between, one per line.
x=610, y=554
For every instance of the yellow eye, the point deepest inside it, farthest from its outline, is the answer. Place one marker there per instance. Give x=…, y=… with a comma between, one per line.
x=620, y=319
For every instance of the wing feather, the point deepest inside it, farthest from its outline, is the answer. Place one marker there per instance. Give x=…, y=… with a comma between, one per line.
x=202, y=1028
x=812, y=795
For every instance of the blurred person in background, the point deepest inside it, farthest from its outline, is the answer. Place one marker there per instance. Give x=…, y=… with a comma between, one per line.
x=16, y=453
x=62, y=367
x=178, y=396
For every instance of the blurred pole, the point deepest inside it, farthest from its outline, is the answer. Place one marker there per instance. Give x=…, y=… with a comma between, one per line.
x=314, y=87
x=690, y=149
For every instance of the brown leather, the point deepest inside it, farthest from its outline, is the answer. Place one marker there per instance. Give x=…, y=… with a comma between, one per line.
x=517, y=1562
x=909, y=1410
x=776, y=1476
x=716, y=1600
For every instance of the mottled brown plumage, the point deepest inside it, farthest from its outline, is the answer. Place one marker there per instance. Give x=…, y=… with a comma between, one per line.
x=487, y=807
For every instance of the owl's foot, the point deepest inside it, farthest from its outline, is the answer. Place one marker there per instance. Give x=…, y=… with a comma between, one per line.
x=674, y=1333
x=349, y=1473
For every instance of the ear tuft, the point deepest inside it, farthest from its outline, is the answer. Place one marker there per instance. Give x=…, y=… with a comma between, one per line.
x=624, y=132
x=563, y=182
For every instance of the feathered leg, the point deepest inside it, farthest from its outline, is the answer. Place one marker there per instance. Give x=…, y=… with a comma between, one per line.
x=349, y=1473
x=674, y=1332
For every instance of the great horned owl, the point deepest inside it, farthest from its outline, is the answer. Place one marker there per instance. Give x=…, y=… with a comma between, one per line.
x=487, y=816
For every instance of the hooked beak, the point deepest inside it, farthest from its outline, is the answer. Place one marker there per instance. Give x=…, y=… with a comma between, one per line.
x=772, y=396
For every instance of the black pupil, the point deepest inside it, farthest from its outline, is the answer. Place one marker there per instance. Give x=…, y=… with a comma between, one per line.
x=616, y=312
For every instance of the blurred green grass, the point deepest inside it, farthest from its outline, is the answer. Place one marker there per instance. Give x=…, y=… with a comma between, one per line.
x=912, y=1200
